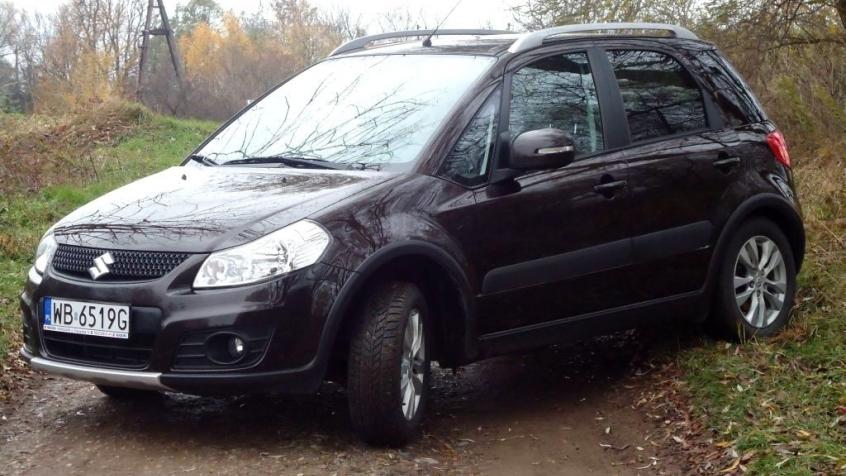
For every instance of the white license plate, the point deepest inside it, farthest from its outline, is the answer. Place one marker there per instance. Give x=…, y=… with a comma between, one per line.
x=86, y=318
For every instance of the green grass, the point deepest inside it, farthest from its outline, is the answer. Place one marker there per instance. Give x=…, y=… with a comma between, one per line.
x=778, y=399
x=154, y=144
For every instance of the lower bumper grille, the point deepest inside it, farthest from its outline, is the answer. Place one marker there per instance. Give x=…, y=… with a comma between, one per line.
x=82, y=349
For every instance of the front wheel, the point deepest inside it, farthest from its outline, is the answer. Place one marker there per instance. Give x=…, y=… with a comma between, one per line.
x=388, y=369
x=757, y=282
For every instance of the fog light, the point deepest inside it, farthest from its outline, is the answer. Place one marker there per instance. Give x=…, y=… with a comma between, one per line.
x=236, y=347
x=226, y=348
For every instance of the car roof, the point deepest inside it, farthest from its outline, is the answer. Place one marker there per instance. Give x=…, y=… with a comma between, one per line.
x=497, y=43
x=493, y=46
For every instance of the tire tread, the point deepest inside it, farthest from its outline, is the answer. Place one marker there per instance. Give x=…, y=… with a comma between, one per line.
x=375, y=348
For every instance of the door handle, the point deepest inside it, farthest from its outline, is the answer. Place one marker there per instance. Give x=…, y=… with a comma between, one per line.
x=608, y=188
x=726, y=163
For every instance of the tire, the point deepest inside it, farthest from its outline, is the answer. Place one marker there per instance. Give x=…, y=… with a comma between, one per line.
x=122, y=393
x=378, y=365
x=741, y=288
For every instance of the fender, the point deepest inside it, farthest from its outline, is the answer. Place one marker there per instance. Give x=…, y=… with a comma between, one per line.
x=775, y=206
x=370, y=266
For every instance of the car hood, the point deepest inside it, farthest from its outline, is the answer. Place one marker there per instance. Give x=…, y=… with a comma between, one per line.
x=195, y=210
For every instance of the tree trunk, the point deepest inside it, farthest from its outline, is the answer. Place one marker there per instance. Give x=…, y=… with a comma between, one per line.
x=841, y=10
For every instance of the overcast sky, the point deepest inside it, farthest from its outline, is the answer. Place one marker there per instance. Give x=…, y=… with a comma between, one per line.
x=469, y=13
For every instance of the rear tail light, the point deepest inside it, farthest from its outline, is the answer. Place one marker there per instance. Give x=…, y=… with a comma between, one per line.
x=778, y=145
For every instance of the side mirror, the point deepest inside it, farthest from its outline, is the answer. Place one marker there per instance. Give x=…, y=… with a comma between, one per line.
x=542, y=149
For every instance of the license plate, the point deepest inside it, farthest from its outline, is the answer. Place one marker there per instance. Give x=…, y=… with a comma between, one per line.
x=86, y=318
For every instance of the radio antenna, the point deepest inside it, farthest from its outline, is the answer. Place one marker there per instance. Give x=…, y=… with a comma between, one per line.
x=428, y=41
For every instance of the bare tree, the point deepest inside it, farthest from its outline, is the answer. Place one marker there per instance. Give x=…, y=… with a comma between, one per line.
x=399, y=20
x=8, y=27
x=537, y=14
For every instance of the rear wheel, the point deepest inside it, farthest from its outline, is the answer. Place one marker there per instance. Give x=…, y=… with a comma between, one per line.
x=757, y=282
x=126, y=393
x=388, y=369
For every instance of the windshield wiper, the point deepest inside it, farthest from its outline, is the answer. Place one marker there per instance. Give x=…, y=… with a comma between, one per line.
x=203, y=160
x=296, y=162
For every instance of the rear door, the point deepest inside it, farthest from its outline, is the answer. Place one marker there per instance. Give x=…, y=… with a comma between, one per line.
x=683, y=168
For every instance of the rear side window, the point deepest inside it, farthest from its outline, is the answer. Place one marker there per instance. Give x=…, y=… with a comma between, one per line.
x=659, y=94
x=736, y=102
x=558, y=92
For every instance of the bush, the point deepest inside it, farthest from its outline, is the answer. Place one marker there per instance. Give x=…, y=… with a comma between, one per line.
x=39, y=150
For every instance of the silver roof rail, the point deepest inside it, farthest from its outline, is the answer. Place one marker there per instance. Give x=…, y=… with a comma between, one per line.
x=360, y=43
x=537, y=38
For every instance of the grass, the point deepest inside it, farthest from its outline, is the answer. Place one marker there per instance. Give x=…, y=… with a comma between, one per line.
x=144, y=146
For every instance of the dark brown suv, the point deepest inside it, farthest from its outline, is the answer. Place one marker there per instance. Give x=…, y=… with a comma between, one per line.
x=410, y=200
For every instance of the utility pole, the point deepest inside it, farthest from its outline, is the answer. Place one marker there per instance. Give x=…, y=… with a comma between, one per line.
x=166, y=31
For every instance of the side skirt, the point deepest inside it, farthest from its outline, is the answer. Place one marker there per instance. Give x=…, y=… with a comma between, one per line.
x=692, y=304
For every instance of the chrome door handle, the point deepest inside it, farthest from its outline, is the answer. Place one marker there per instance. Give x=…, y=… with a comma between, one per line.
x=608, y=188
x=727, y=162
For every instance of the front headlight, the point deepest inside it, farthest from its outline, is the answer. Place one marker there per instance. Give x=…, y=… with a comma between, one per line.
x=296, y=246
x=44, y=253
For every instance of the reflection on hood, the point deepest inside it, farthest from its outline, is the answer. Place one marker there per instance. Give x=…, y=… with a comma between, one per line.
x=204, y=209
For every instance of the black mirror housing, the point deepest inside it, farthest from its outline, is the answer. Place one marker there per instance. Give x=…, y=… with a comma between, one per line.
x=542, y=149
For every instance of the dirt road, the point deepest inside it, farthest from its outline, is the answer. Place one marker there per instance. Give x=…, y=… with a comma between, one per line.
x=563, y=411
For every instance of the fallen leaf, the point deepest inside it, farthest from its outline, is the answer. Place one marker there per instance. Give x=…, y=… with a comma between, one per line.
x=731, y=468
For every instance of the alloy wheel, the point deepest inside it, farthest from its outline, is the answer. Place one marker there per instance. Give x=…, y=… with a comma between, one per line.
x=413, y=365
x=760, y=281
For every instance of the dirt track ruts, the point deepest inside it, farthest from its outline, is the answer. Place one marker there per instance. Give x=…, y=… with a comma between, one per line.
x=555, y=411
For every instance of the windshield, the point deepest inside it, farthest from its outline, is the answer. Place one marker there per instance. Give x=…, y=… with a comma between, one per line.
x=359, y=112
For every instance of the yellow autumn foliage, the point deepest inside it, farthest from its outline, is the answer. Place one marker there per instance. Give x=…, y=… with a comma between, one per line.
x=230, y=65
x=85, y=82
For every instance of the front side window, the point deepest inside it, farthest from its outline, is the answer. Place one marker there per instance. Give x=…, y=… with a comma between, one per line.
x=660, y=96
x=354, y=111
x=558, y=92
x=470, y=158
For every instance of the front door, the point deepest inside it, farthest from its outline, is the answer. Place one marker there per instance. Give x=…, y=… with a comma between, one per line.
x=558, y=245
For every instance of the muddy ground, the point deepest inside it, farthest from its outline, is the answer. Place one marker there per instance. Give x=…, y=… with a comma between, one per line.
x=569, y=410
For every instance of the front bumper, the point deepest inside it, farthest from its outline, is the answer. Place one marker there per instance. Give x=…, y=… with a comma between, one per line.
x=292, y=310
x=305, y=380
x=100, y=376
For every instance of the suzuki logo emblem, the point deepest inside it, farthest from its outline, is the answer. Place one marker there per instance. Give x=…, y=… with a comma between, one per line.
x=101, y=266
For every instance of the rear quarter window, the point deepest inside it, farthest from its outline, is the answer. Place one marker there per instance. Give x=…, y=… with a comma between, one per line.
x=737, y=104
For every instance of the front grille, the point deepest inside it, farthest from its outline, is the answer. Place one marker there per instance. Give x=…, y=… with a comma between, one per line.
x=132, y=353
x=128, y=265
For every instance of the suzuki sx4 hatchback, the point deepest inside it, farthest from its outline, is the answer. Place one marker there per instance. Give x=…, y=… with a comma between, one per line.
x=411, y=200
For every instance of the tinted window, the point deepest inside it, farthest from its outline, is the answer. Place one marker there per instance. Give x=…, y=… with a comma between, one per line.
x=660, y=96
x=371, y=110
x=736, y=102
x=558, y=92
x=469, y=160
